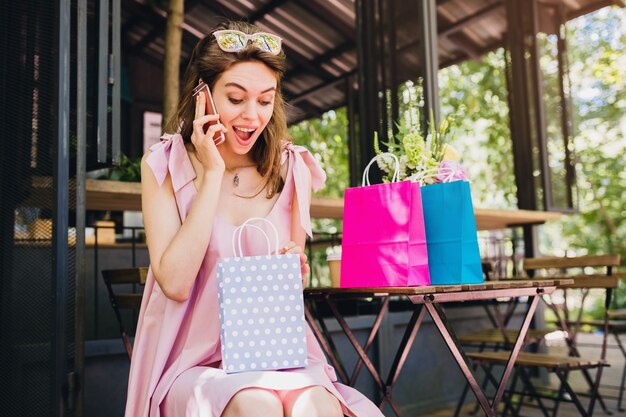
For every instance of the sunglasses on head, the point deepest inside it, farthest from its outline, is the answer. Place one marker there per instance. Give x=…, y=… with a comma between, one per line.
x=235, y=41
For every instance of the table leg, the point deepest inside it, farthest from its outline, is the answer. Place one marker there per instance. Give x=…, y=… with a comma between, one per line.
x=357, y=346
x=405, y=345
x=440, y=320
x=379, y=318
x=399, y=359
x=408, y=338
x=326, y=342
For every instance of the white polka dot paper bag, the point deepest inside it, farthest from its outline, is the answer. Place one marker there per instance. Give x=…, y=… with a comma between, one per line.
x=261, y=311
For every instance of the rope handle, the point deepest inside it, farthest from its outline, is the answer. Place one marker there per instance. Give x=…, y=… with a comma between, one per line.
x=246, y=224
x=432, y=173
x=366, y=171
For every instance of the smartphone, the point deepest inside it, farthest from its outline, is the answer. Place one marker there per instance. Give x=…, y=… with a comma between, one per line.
x=203, y=88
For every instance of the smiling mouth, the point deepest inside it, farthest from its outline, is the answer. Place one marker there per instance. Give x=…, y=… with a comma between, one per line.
x=243, y=133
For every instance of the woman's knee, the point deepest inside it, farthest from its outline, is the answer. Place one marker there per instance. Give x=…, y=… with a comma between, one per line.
x=254, y=402
x=316, y=402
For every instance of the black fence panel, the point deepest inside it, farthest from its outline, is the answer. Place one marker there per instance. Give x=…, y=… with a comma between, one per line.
x=37, y=237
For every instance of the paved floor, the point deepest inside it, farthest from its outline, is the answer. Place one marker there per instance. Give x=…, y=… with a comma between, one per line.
x=589, y=345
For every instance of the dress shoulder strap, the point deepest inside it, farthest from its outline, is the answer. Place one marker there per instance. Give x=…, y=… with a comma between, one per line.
x=303, y=165
x=170, y=156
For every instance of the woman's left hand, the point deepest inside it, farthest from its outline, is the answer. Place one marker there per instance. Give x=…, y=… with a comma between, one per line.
x=292, y=247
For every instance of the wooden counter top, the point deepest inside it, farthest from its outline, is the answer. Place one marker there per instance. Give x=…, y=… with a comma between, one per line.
x=116, y=195
x=120, y=196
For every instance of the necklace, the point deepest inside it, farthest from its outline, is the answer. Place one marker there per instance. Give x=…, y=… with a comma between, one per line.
x=236, y=173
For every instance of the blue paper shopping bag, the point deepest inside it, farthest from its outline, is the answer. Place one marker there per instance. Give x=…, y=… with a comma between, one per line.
x=261, y=310
x=453, y=255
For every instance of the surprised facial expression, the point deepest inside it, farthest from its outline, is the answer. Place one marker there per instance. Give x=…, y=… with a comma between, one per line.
x=244, y=98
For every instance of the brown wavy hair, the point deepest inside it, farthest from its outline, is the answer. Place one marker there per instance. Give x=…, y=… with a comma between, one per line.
x=208, y=62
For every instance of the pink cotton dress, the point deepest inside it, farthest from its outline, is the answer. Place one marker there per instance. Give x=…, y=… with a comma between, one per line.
x=176, y=365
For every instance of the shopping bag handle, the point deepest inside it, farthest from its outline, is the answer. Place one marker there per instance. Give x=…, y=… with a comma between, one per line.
x=421, y=176
x=366, y=171
x=246, y=224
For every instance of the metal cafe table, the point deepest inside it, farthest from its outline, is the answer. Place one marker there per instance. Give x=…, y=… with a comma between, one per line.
x=425, y=299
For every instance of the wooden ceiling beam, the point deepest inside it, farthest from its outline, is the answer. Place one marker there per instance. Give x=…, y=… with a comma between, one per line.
x=466, y=21
x=159, y=29
x=308, y=110
x=462, y=58
x=265, y=9
x=465, y=44
x=322, y=59
x=592, y=7
x=324, y=11
x=320, y=87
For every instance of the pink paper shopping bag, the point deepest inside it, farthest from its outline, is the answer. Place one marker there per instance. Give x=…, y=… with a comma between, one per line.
x=384, y=240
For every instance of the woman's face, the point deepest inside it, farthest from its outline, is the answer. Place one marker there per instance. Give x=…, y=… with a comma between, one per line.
x=244, y=99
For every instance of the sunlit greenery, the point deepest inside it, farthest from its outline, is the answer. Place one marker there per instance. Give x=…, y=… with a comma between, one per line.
x=327, y=138
x=477, y=91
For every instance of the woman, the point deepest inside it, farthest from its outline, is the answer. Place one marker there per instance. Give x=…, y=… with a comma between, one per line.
x=194, y=194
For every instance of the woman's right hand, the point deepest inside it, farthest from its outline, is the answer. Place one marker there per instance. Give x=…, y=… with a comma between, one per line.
x=206, y=150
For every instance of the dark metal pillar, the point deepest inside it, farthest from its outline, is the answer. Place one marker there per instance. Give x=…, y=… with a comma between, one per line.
x=378, y=69
x=520, y=102
x=81, y=168
x=353, y=129
x=533, y=163
x=429, y=59
x=115, y=79
x=368, y=115
x=103, y=72
x=522, y=105
x=61, y=205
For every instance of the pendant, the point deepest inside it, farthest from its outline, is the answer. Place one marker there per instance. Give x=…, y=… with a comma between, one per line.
x=236, y=180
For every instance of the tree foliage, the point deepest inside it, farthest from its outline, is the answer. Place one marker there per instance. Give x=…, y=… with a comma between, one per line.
x=327, y=139
x=477, y=92
x=598, y=68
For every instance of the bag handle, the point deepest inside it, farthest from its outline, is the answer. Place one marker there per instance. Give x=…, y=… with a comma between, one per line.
x=447, y=172
x=366, y=171
x=246, y=224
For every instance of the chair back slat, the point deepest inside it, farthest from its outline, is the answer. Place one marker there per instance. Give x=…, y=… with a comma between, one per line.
x=129, y=301
x=124, y=300
x=577, y=262
x=592, y=281
x=581, y=281
x=125, y=276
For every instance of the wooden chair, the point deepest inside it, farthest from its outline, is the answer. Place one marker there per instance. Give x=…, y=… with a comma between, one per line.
x=617, y=328
x=124, y=300
x=497, y=337
x=561, y=366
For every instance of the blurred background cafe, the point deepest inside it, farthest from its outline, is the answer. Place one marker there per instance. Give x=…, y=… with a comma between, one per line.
x=536, y=90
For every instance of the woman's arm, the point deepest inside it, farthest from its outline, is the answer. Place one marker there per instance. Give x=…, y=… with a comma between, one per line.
x=177, y=250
